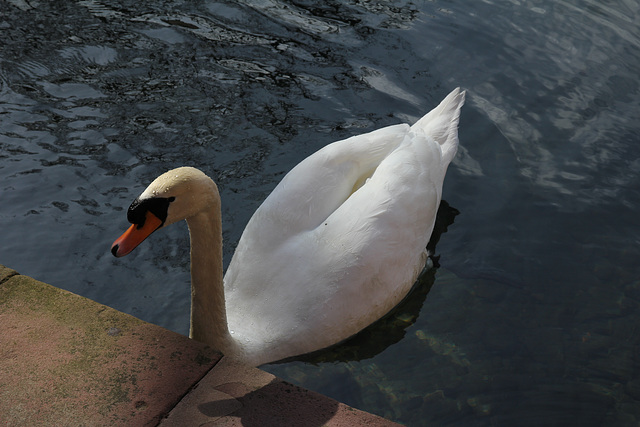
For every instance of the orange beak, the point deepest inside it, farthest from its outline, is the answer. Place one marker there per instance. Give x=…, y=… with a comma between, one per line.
x=135, y=235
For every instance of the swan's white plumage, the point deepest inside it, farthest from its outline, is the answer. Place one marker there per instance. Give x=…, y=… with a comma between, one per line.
x=340, y=241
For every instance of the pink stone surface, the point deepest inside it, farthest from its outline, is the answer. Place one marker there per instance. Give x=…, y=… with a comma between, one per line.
x=67, y=360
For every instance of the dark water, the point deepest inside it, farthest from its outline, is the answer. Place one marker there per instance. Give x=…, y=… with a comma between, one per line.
x=533, y=317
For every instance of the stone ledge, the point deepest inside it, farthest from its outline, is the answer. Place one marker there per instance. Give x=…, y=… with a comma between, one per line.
x=66, y=361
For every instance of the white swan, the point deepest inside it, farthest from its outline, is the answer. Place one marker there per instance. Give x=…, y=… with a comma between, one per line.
x=336, y=245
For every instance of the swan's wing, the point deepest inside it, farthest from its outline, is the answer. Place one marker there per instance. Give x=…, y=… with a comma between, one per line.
x=389, y=220
x=317, y=186
x=313, y=189
x=404, y=164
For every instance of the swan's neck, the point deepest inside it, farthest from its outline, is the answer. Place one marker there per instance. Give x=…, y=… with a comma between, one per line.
x=208, y=312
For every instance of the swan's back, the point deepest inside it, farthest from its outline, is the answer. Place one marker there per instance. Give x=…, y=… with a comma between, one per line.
x=341, y=240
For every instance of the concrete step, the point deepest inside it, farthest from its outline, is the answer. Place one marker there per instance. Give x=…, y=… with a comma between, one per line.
x=66, y=360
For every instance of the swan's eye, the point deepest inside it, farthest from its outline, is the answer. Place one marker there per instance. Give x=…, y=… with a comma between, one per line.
x=158, y=206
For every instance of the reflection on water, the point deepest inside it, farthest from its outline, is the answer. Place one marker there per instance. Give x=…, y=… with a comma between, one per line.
x=532, y=316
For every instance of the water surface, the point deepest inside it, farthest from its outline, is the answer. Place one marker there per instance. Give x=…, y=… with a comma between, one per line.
x=532, y=317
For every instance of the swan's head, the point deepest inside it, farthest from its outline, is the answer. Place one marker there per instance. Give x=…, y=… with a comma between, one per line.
x=173, y=196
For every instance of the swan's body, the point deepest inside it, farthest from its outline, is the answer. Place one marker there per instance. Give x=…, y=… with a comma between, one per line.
x=336, y=245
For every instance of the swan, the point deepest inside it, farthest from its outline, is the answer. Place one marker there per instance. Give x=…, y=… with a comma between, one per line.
x=337, y=244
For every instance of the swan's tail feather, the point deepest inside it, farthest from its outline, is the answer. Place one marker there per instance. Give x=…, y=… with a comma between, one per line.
x=441, y=124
